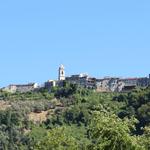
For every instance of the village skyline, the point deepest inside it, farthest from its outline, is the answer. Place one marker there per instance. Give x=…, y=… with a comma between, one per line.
x=106, y=84
x=78, y=73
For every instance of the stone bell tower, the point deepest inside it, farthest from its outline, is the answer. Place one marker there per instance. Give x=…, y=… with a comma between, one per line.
x=61, y=73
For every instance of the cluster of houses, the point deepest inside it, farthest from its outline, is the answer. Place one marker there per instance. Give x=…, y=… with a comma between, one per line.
x=107, y=84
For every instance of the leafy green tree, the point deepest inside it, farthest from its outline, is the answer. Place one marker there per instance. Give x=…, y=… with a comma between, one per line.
x=109, y=132
x=57, y=139
x=144, y=113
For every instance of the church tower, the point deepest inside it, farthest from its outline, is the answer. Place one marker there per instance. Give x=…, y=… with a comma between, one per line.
x=61, y=73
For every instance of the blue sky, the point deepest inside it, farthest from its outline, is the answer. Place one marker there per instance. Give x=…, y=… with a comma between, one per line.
x=102, y=38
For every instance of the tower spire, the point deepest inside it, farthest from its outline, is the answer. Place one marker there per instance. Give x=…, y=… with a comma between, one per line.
x=61, y=73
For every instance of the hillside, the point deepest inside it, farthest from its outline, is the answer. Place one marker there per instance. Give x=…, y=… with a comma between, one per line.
x=74, y=118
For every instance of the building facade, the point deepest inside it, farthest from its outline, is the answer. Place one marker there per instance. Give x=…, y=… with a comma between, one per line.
x=22, y=88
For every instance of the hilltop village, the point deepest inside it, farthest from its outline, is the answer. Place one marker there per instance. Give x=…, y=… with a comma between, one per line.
x=107, y=84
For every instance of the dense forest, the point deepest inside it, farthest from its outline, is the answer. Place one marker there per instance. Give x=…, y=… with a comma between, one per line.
x=74, y=118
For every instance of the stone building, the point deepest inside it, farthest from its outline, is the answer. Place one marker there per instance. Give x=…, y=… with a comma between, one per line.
x=108, y=84
x=143, y=82
x=128, y=84
x=82, y=80
x=22, y=88
x=77, y=79
x=102, y=85
x=50, y=83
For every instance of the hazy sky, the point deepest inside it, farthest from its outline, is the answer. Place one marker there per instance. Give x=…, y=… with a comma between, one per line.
x=100, y=37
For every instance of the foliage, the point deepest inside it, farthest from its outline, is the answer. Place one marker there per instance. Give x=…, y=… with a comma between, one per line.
x=109, y=132
x=137, y=105
x=58, y=139
x=77, y=118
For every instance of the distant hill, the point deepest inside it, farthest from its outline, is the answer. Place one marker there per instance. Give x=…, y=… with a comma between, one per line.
x=72, y=117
